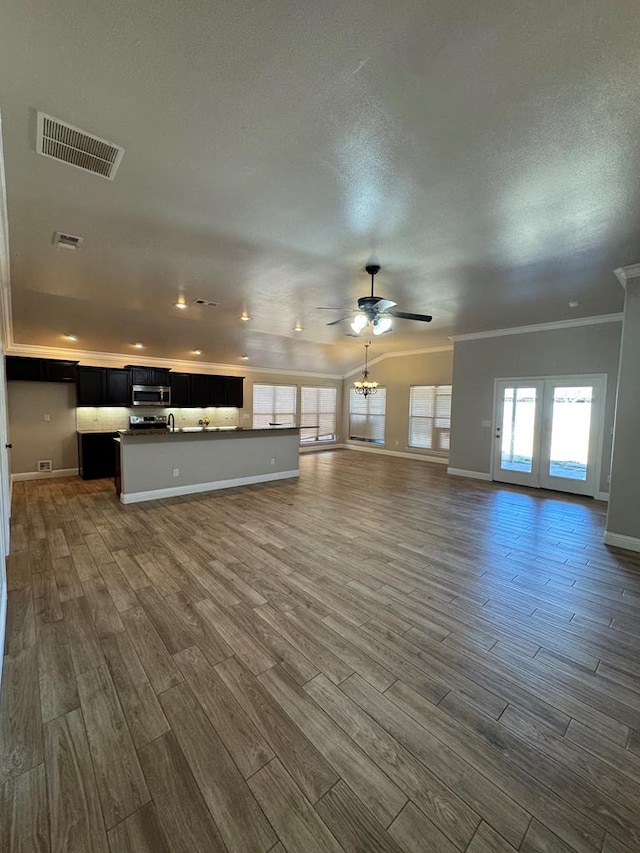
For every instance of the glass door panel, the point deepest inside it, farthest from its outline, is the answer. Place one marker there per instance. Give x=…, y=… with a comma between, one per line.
x=570, y=436
x=518, y=429
x=570, y=428
x=517, y=432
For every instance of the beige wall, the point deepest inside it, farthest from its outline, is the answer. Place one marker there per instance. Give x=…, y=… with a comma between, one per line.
x=624, y=503
x=477, y=363
x=32, y=437
x=397, y=375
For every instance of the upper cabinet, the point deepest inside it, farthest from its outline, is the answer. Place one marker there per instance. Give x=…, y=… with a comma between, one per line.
x=217, y=390
x=180, y=390
x=104, y=386
x=149, y=375
x=22, y=369
x=234, y=395
x=117, y=390
x=199, y=390
x=91, y=386
x=111, y=386
x=60, y=371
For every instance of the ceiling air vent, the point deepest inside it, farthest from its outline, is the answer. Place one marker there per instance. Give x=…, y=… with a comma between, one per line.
x=66, y=241
x=62, y=141
x=204, y=302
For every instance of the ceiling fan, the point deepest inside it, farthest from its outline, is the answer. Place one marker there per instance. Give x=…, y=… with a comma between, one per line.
x=375, y=311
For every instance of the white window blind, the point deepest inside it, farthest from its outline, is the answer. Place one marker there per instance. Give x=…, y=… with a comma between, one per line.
x=430, y=417
x=366, y=416
x=274, y=404
x=317, y=414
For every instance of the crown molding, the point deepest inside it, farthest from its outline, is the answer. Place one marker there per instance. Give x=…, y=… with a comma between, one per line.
x=401, y=354
x=6, y=329
x=541, y=327
x=114, y=359
x=625, y=274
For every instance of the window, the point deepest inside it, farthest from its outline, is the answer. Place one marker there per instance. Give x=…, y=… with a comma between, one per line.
x=366, y=416
x=430, y=417
x=274, y=404
x=317, y=414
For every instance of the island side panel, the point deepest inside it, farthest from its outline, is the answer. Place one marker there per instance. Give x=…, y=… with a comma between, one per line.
x=204, y=462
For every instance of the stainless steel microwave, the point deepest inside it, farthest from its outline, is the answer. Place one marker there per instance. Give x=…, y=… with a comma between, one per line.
x=150, y=395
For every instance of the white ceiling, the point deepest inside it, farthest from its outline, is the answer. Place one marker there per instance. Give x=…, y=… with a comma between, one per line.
x=485, y=153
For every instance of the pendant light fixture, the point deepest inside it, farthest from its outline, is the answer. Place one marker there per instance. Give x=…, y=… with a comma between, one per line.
x=365, y=386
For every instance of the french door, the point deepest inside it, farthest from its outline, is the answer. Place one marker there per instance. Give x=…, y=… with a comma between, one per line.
x=548, y=432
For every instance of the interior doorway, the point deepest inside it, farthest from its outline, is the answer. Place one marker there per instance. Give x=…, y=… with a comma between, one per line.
x=547, y=432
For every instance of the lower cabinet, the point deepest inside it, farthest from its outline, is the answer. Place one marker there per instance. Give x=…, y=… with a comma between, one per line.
x=97, y=455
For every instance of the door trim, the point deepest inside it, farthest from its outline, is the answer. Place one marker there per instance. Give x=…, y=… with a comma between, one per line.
x=578, y=378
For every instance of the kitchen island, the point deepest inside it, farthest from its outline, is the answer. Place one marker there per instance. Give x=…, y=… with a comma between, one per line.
x=153, y=464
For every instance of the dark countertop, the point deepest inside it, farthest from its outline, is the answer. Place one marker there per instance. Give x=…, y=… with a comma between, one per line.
x=209, y=431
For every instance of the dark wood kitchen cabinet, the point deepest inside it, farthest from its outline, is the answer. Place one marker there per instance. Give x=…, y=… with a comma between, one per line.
x=217, y=391
x=24, y=369
x=199, y=383
x=234, y=388
x=104, y=386
x=20, y=369
x=91, y=386
x=141, y=375
x=117, y=390
x=97, y=455
x=180, y=390
x=56, y=370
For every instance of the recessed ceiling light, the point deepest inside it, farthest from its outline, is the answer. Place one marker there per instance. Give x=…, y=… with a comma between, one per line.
x=196, y=351
x=297, y=327
x=138, y=345
x=573, y=304
x=244, y=357
x=71, y=336
x=180, y=304
x=244, y=316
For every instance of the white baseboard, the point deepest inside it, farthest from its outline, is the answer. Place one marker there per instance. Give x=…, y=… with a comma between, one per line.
x=472, y=475
x=44, y=475
x=601, y=496
x=316, y=448
x=179, y=491
x=629, y=543
x=421, y=457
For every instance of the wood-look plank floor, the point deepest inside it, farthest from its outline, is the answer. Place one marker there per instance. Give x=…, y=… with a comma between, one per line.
x=376, y=657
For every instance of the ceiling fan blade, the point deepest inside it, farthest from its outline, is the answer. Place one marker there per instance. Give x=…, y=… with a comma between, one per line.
x=341, y=320
x=404, y=315
x=383, y=304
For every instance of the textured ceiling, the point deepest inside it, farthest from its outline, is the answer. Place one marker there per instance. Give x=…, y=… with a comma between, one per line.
x=484, y=153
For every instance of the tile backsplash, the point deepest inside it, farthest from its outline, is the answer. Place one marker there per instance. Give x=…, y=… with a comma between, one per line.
x=108, y=418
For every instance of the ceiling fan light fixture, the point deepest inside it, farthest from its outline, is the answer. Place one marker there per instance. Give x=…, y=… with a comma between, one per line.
x=359, y=322
x=382, y=325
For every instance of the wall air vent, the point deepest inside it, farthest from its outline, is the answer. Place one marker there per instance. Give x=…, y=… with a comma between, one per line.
x=62, y=141
x=45, y=465
x=204, y=302
x=66, y=241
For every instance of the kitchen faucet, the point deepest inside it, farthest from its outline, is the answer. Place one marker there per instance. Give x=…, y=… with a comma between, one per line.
x=172, y=422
